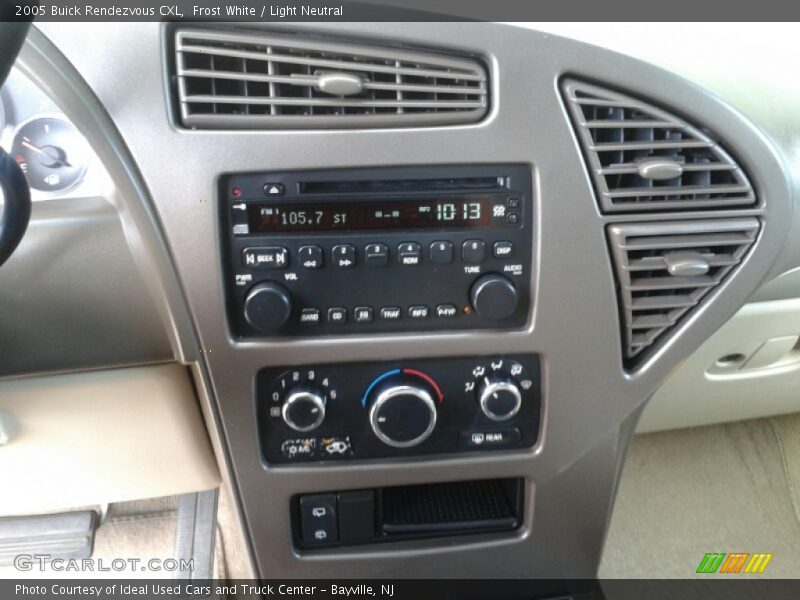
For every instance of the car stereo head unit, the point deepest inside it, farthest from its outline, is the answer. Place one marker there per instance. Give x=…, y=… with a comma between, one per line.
x=377, y=250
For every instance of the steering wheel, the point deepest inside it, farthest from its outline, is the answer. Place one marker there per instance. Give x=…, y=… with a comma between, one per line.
x=16, y=194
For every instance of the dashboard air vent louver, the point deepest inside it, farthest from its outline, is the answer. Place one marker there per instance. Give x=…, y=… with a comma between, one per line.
x=238, y=80
x=643, y=158
x=664, y=270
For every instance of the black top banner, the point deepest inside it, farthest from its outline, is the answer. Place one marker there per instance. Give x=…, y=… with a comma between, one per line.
x=265, y=11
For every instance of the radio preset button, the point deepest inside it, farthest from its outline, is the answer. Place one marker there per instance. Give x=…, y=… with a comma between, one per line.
x=310, y=257
x=337, y=314
x=310, y=316
x=376, y=255
x=391, y=313
x=473, y=251
x=441, y=253
x=344, y=256
x=503, y=249
x=363, y=314
x=446, y=310
x=267, y=257
x=418, y=312
x=409, y=253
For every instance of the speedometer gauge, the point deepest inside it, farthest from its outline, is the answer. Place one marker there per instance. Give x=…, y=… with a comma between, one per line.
x=51, y=153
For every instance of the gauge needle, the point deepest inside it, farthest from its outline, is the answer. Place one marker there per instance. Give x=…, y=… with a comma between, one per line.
x=59, y=160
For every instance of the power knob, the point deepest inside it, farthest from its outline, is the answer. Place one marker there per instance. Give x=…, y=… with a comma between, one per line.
x=268, y=306
x=494, y=297
x=499, y=397
x=304, y=408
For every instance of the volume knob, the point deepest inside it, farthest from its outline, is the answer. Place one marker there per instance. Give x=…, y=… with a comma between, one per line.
x=268, y=306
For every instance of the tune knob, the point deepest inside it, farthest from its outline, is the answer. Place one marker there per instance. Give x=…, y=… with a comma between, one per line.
x=304, y=408
x=494, y=297
x=499, y=397
x=402, y=411
x=268, y=306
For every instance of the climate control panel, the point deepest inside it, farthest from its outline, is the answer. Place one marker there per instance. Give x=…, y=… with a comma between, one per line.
x=384, y=409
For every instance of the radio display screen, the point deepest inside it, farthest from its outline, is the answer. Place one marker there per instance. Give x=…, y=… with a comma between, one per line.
x=442, y=213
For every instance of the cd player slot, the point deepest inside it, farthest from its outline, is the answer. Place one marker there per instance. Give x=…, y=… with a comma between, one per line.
x=402, y=185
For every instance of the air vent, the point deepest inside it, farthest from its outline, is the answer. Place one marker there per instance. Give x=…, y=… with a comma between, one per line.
x=249, y=81
x=642, y=158
x=665, y=270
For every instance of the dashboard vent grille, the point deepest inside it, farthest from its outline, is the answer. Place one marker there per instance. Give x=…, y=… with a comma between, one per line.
x=642, y=158
x=664, y=270
x=249, y=81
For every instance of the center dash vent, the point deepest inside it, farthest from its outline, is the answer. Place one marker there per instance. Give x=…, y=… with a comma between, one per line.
x=664, y=270
x=642, y=158
x=251, y=81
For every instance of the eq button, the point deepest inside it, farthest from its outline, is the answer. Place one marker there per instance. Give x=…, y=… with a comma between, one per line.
x=363, y=314
x=310, y=257
x=344, y=256
x=409, y=253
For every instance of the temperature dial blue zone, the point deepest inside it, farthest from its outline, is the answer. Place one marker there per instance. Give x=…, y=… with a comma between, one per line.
x=413, y=372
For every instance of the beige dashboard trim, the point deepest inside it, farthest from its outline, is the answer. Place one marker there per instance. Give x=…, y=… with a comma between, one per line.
x=102, y=436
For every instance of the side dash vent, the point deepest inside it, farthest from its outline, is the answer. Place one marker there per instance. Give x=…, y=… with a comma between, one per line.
x=239, y=80
x=642, y=158
x=664, y=270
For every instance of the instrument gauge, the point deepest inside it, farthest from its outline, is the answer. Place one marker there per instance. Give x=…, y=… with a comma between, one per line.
x=51, y=153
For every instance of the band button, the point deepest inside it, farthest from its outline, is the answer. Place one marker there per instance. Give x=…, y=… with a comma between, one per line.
x=418, y=312
x=310, y=316
x=446, y=310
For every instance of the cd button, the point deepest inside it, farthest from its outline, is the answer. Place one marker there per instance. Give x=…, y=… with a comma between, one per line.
x=441, y=253
x=446, y=310
x=309, y=316
x=268, y=257
x=418, y=312
x=473, y=251
x=310, y=257
x=363, y=314
x=390, y=313
x=409, y=253
x=344, y=256
x=337, y=314
x=376, y=255
x=503, y=249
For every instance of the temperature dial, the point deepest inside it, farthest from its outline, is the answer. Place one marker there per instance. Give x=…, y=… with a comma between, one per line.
x=402, y=407
x=499, y=396
x=303, y=407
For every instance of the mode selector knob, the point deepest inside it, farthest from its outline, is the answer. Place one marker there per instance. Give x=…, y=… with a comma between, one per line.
x=268, y=306
x=402, y=411
x=494, y=297
x=304, y=408
x=499, y=397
